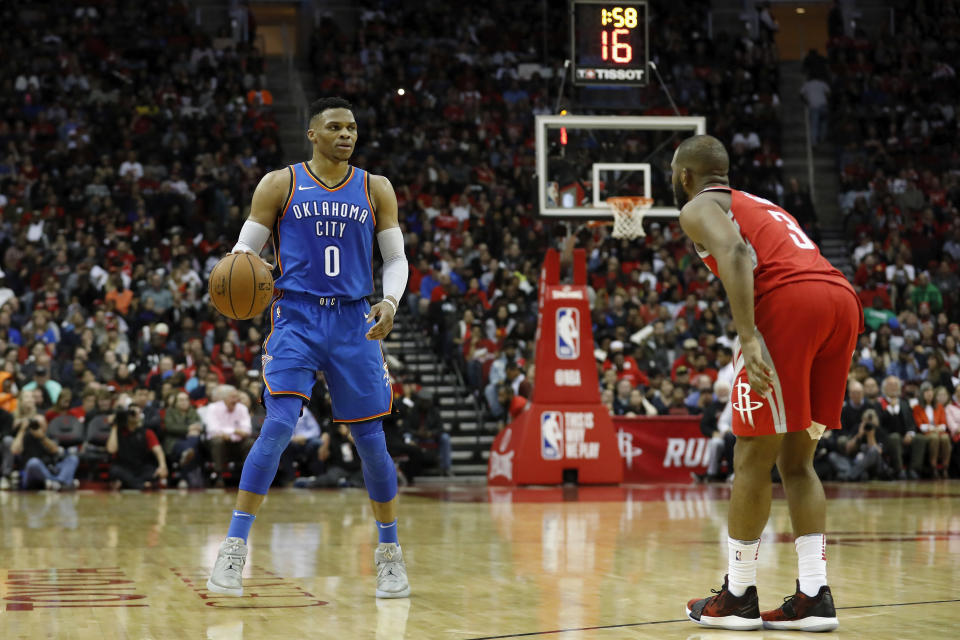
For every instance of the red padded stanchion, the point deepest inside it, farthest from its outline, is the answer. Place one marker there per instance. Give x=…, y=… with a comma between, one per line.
x=564, y=427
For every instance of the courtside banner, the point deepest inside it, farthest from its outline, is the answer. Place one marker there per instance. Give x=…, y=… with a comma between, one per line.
x=661, y=448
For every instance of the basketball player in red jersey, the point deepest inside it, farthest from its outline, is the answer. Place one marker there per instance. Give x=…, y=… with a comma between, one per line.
x=798, y=319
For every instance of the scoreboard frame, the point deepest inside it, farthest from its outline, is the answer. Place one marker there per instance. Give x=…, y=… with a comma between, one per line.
x=610, y=73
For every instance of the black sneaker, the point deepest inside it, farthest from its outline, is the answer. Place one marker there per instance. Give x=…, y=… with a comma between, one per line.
x=800, y=612
x=727, y=611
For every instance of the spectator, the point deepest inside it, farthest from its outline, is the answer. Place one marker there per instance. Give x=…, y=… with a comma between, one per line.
x=302, y=450
x=621, y=399
x=816, y=94
x=716, y=424
x=851, y=416
x=516, y=381
x=135, y=449
x=925, y=291
x=953, y=429
x=421, y=418
x=864, y=449
x=625, y=365
x=701, y=395
x=930, y=416
x=340, y=461
x=49, y=388
x=898, y=432
x=182, y=429
x=229, y=430
x=23, y=413
x=905, y=367
x=45, y=464
x=725, y=370
x=877, y=315
x=498, y=368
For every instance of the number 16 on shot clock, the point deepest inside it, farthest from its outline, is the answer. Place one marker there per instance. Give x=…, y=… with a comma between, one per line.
x=608, y=42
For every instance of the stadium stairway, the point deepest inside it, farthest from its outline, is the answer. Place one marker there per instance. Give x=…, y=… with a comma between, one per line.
x=826, y=182
x=412, y=359
x=289, y=105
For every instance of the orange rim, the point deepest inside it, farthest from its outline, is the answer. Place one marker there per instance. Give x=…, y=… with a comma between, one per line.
x=629, y=203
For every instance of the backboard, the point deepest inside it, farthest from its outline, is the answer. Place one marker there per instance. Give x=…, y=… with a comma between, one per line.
x=583, y=160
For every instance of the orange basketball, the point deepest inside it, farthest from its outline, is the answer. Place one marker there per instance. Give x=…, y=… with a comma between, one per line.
x=241, y=286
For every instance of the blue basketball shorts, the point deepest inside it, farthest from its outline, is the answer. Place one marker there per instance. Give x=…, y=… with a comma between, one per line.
x=307, y=336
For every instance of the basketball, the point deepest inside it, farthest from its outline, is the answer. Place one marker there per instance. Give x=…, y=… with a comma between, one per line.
x=241, y=286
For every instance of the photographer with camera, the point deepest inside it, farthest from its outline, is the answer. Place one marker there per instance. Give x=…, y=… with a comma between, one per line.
x=865, y=450
x=135, y=450
x=46, y=465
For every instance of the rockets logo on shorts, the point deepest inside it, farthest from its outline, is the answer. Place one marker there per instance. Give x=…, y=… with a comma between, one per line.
x=743, y=403
x=568, y=333
x=551, y=435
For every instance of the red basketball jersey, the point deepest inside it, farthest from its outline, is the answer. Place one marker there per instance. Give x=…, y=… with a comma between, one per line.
x=782, y=253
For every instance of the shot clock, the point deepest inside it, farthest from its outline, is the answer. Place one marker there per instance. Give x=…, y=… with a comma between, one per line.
x=608, y=42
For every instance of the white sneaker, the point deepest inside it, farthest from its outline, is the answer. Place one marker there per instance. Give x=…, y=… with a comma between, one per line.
x=391, y=571
x=4, y=483
x=227, y=576
x=53, y=485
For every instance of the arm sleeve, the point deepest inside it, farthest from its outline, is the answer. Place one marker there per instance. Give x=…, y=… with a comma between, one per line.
x=151, y=439
x=395, y=268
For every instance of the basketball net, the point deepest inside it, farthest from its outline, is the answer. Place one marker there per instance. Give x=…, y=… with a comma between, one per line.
x=628, y=212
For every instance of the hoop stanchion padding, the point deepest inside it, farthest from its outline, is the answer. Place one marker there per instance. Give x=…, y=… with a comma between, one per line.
x=565, y=427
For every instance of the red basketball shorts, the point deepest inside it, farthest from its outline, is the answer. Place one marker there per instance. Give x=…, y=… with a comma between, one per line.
x=808, y=334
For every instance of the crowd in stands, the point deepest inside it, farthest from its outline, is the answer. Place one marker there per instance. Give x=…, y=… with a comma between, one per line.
x=130, y=144
x=892, y=121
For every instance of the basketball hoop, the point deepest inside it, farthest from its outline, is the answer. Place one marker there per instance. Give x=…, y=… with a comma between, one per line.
x=628, y=212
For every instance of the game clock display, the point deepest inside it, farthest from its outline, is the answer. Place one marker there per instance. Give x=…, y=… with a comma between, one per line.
x=608, y=42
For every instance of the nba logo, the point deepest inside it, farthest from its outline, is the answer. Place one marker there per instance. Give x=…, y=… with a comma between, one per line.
x=551, y=435
x=568, y=333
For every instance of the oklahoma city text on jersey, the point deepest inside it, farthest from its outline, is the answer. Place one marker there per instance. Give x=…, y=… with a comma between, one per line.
x=332, y=228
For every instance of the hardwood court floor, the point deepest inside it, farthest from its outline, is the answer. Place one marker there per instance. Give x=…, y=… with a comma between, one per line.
x=567, y=564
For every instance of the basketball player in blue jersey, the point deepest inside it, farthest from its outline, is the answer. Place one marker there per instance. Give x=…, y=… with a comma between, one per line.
x=323, y=216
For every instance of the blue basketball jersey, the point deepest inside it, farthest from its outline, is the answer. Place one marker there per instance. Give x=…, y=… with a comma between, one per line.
x=323, y=238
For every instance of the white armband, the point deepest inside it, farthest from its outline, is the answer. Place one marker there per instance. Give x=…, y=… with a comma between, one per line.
x=395, y=268
x=253, y=236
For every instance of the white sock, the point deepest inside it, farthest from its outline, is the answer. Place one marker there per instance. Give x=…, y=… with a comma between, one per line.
x=812, y=562
x=742, y=565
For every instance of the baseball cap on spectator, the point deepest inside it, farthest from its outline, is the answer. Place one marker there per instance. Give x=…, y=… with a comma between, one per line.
x=690, y=343
x=682, y=370
x=161, y=329
x=616, y=346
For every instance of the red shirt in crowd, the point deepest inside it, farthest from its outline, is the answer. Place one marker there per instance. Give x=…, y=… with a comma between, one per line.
x=630, y=371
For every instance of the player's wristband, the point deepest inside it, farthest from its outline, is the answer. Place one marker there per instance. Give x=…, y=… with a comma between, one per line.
x=253, y=236
x=388, y=300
